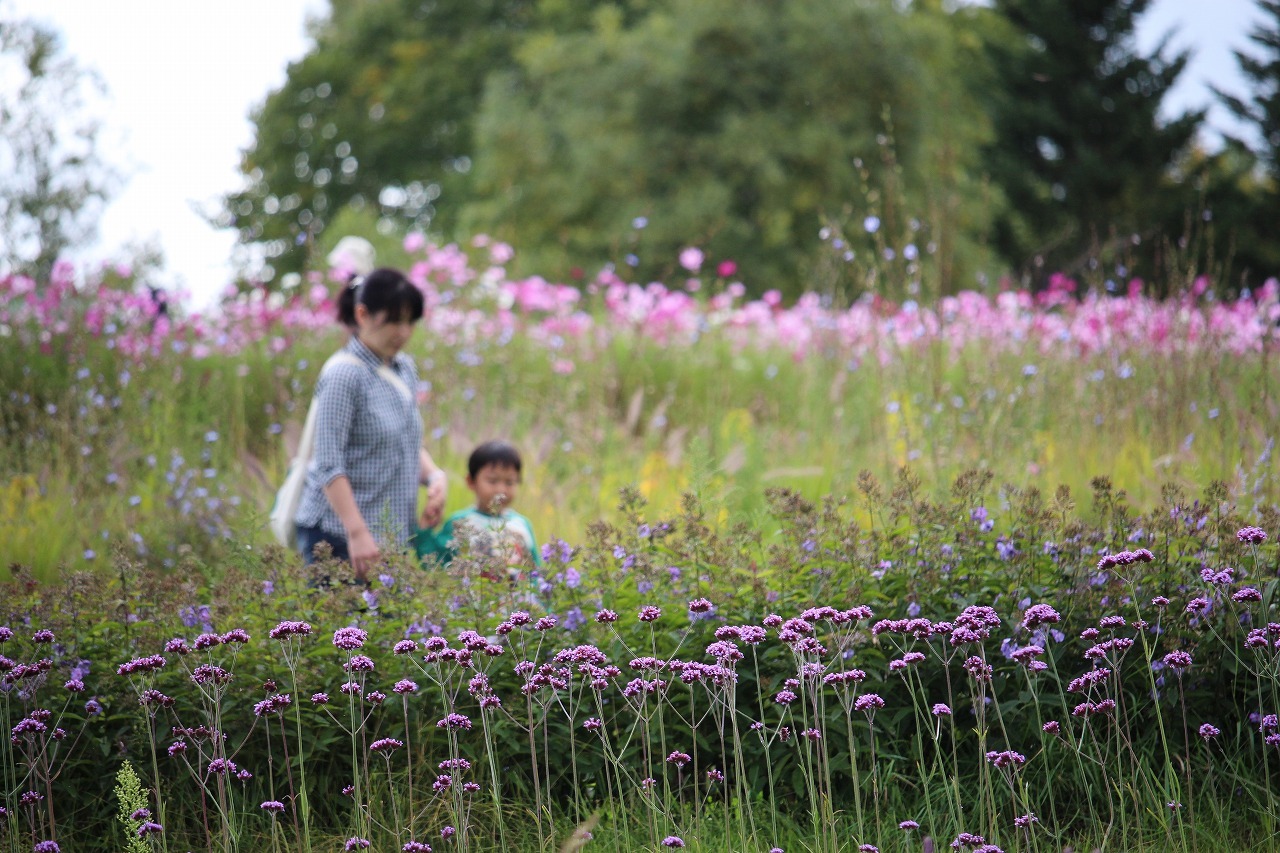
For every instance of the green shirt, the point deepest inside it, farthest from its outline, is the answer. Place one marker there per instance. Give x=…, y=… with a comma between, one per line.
x=471, y=532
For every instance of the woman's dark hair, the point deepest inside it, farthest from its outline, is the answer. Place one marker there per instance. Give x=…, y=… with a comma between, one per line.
x=383, y=290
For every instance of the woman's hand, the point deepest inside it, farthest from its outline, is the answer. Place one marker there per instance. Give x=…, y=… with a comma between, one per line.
x=364, y=552
x=361, y=546
x=437, y=491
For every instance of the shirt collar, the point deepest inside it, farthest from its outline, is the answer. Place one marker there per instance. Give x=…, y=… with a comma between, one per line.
x=357, y=348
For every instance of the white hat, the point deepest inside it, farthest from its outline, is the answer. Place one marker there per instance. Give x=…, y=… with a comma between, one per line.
x=353, y=255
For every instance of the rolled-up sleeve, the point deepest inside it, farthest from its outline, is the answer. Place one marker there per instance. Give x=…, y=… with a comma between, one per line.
x=337, y=394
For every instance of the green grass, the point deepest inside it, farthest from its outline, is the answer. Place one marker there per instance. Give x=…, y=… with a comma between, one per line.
x=633, y=411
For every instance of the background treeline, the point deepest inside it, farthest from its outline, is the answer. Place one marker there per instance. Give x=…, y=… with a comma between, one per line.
x=913, y=148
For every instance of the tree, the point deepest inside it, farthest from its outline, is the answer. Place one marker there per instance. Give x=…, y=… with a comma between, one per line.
x=52, y=181
x=1261, y=108
x=739, y=126
x=379, y=114
x=1079, y=149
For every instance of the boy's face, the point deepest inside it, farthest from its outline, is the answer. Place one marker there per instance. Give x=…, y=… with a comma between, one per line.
x=495, y=487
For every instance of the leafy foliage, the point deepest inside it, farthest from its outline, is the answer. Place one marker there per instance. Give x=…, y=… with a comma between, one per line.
x=740, y=127
x=380, y=115
x=52, y=178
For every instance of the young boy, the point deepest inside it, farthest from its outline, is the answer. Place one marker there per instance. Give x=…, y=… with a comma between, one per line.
x=491, y=528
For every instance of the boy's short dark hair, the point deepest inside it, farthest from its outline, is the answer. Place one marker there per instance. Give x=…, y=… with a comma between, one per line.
x=500, y=453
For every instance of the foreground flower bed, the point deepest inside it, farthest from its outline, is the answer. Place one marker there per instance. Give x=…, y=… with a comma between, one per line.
x=1013, y=678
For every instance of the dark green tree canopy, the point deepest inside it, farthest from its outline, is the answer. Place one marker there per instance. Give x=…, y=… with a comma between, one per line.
x=380, y=113
x=735, y=125
x=1261, y=68
x=820, y=144
x=1079, y=147
x=740, y=126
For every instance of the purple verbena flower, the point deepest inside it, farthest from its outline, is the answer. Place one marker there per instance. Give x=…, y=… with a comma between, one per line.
x=868, y=702
x=1252, y=535
x=289, y=629
x=385, y=745
x=455, y=722
x=349, y=639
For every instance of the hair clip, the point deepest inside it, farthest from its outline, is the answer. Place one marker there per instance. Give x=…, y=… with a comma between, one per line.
x=356, y=281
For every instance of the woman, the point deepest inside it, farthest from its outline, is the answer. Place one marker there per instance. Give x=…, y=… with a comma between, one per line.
x=361, y=494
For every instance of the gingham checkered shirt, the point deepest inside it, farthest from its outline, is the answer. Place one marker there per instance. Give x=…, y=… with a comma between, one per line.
x=369, y=432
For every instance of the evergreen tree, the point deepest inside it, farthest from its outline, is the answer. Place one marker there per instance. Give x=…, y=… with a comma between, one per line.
x=1261, y=108
x=1240, y=184
x=1079, y=149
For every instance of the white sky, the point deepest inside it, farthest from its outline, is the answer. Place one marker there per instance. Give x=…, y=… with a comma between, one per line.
x=183, y=76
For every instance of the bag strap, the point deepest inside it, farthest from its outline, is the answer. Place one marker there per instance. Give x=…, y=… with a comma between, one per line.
x=306, y=444
x=395, y=381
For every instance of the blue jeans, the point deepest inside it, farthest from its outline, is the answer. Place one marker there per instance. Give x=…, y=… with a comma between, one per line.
x=310, y=537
